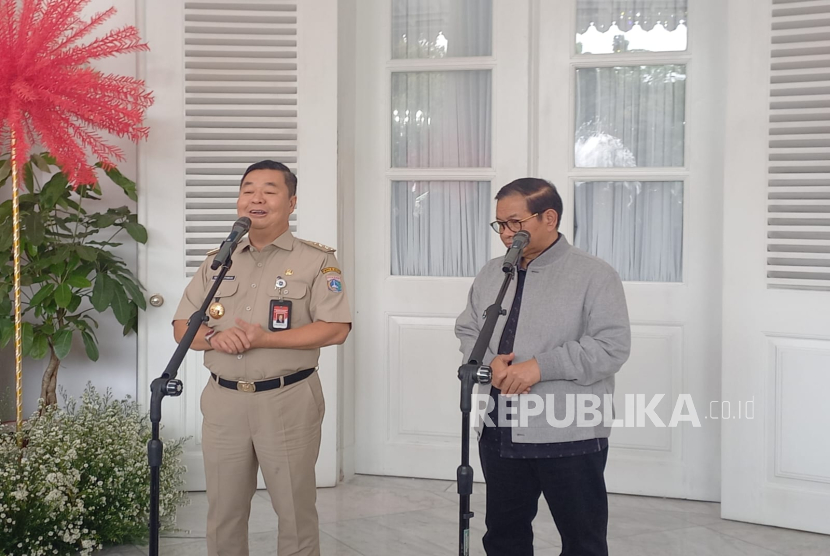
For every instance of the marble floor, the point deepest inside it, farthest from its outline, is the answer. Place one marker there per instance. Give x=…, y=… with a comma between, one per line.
x=388, y=516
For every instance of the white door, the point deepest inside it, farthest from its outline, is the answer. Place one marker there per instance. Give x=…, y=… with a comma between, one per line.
x=234, y=83
x=422, y=207
x=776, y=338
x=629, y=126
x=407, y=390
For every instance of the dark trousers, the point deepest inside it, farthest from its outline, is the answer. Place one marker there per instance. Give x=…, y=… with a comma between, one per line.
x=574, y=488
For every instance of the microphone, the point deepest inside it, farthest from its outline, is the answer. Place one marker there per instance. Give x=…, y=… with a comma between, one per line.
x=223, y=257
x=514, y=253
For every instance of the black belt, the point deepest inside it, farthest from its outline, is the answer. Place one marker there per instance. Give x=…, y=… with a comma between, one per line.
x=263, y=385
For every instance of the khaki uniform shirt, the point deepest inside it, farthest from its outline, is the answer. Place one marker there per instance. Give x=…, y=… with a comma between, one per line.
x=313, y=284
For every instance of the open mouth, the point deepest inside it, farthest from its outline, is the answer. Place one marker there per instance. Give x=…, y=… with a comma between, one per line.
x=257, y=212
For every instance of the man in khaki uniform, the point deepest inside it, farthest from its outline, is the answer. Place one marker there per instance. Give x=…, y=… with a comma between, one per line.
x=281, y=301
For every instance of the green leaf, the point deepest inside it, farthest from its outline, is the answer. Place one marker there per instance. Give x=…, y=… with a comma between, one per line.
x=54, y=189
x=6, y=331
x=78, y=280
x=90, y=345
x=28, y=177
x=5, y=302
x=5, y=169
x=6, y=240
x=121, y=181
x=132, y=288
x=5, y=210
x=40, y=346
x=105, y=220
x=91, y=320
x=136, y=231
x=101, y=294
x=49, y=159
x=42, y=293
x=34, y=229
x=63, y=295
x=62, y=342
x=28, y=337
x=75, y=303
x=120, y=304
x=40, y=163
x=86, y=253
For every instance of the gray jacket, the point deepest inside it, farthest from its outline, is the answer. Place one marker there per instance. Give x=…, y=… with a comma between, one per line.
x=573, y=320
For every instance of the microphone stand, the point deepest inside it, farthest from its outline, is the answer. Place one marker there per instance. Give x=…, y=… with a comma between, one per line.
x=168, y=385
x=471, y=373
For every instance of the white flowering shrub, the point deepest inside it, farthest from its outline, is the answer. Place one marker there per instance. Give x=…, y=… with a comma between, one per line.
x=81, y=478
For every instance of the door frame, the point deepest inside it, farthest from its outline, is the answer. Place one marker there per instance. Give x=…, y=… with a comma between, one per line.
x=317, y=194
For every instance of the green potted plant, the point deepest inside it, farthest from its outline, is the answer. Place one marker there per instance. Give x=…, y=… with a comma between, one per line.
x=68, y=270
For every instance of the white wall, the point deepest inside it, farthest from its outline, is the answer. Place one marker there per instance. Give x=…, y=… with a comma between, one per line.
x=116, y=367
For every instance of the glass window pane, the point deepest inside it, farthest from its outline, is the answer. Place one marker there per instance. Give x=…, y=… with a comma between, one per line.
x=636, y=227
x=441, y=28
x=440, y=228
x=441, y=119
x=613, y=26
x=630, y=116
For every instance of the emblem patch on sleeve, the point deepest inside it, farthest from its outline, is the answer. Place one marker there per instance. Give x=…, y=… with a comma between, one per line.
x=330, y=269
x=334, y=282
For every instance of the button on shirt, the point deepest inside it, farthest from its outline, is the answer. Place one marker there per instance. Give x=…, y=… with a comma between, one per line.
x=313, y=286
x=502, y=435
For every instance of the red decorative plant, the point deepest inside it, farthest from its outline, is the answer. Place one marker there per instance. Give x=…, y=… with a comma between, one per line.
x=51, y=95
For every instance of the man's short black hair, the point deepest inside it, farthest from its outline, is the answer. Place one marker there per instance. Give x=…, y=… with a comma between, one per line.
x=288, y=175
x=541, y=195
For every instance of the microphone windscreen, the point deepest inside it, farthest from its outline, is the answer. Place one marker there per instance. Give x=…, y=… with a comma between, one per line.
x=520, y=240
x=243, y=224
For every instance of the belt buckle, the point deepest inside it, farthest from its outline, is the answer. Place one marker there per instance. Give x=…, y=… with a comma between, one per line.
x=245, y=386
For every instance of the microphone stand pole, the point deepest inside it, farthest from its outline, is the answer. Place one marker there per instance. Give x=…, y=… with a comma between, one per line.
x=474, y=372
x=168, y=385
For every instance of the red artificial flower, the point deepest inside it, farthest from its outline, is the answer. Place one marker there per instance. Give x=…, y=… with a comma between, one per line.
x=50, y=94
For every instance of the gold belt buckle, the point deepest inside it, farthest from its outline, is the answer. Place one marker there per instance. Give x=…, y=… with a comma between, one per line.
x=245, y=386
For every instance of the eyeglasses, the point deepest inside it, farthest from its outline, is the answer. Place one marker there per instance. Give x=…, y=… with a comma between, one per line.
x=512, y=225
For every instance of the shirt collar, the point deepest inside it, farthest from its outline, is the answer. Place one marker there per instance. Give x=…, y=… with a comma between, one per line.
x=285, y=241
x=553, y=253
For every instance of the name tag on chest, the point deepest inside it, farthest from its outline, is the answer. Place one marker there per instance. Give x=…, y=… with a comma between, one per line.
x=280, y=315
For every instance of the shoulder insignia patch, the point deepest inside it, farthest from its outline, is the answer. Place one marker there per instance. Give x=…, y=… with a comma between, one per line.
x=330, y=269
x=320, y=246
x=212, y=252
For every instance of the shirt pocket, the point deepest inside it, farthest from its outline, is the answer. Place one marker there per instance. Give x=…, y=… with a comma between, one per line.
x=224, y=296
x=297, y=294
x=228, y=288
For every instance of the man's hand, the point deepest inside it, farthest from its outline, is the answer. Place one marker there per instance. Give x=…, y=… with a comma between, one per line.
x=232, y=340
x=517, y=378
x=499, y=366
x=254, y=333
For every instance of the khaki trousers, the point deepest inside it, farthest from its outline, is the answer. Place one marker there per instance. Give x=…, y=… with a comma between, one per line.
x=277, y=431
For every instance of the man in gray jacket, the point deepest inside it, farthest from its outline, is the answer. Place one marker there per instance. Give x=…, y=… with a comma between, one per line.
x=563, y=337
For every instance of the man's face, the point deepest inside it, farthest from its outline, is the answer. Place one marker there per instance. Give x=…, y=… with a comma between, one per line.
x=542, y=228
x=263, y=197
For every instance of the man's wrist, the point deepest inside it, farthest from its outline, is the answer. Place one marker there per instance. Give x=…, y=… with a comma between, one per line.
x=210, y=333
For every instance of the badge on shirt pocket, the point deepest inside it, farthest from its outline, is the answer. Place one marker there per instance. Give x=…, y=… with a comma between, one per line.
x=280, y=315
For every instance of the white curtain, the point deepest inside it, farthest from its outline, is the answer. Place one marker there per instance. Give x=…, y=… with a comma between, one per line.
x=441, y=28
x=441, y=119
x=637, y=227
x=440, y=228
x=628, y=13
x=631, y=117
